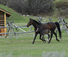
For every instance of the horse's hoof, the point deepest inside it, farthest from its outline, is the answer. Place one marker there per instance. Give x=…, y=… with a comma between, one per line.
x=48, y=42
x=44, y=41
x=58, y=40
x=32, y=43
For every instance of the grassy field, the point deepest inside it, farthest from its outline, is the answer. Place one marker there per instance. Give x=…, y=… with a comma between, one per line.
x=22, y=46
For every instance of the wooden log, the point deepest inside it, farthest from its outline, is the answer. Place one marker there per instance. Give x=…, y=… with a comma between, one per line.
x=5, y=30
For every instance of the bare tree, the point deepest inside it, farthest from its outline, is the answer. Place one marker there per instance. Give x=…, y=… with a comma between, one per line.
x=30, y=6
x=40, y=6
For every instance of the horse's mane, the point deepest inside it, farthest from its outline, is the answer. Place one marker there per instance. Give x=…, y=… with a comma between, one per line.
x=36, y=22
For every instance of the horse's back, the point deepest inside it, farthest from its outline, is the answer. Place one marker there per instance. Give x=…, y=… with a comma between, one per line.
x=45, y=26
x=49, y=25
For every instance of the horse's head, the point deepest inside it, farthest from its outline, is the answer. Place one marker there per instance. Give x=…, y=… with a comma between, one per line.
x=30, y=22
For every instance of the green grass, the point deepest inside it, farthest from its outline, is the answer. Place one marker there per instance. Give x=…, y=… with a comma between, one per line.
x=23, y=46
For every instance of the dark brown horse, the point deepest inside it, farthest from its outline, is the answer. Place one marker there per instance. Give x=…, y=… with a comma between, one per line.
x=50, y=25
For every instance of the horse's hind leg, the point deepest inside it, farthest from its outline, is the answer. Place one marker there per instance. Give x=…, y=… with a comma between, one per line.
x=56, y=37
x=48, y=37
x=51, y=37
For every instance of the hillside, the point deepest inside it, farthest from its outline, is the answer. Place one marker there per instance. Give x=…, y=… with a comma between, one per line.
x=16, y=17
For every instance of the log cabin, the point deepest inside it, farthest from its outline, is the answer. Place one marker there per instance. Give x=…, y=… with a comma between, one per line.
x=3, y=15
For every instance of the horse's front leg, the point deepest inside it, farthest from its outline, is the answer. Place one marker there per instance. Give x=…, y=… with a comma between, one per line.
x=56, y=37
x=34, y=38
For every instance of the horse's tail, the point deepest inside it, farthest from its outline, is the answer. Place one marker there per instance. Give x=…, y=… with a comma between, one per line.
x=58, y=27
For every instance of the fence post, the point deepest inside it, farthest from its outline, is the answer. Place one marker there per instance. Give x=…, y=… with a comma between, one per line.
x=5, y=23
